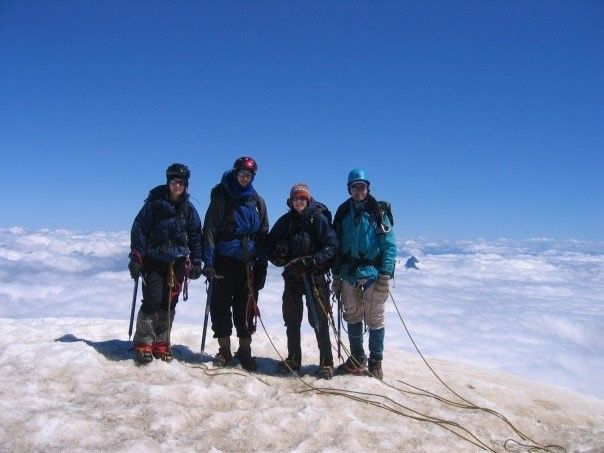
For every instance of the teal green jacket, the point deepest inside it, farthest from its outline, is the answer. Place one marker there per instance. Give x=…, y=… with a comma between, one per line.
x=364, y=252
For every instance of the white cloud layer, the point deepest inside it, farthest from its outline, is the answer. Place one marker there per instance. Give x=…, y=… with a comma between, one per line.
x=534, y=308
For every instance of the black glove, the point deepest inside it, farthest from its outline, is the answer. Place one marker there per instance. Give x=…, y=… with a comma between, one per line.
x=303, y=265
x=195, y=272
x=259, y=277
x=209, y=272
x=135, y=269
x=282, y=250
x=280, y=253
x=279, y=262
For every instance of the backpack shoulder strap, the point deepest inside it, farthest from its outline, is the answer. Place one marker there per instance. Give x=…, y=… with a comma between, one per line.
x=321, y=209
x=378, y=210
x=223, y=204
x=340, y=214
x=182, y=210
x=256, y=198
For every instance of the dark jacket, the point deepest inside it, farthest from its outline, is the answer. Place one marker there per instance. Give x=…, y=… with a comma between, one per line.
x=306, y=234
x=236, y=215
x=166, y=231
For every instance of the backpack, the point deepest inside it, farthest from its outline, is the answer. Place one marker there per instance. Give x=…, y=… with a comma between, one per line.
x=230, y=206
x=378, y=210
x=321, y=209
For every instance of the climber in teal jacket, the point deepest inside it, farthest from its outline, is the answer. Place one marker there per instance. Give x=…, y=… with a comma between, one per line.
x=362, y=271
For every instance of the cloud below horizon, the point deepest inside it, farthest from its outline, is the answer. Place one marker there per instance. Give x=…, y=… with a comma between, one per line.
x=534, y=308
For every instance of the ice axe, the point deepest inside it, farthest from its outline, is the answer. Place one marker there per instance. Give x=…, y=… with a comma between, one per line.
x=207, y=311
x=133, y=308
x=310, y=305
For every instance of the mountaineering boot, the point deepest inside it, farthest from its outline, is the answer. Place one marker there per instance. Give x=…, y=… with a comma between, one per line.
x=293, y=362
x=162, y=351
x=224, y=356
x=244, y=354
x=143, y=353
x=294, y=349
x=325, y=355
x=324, y=343
x=355, y=336
x=325, y=370
x=375, y=369
x=353, y=365
x=288, y=365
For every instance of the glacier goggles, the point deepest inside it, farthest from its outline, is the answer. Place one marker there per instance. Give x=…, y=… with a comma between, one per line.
x=358, y=186
x=178, y=182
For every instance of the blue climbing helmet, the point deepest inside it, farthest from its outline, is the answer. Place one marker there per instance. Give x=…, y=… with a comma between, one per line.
x=356, y=175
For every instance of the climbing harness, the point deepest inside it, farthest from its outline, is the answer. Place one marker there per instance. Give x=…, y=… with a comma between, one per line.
x=252, y=312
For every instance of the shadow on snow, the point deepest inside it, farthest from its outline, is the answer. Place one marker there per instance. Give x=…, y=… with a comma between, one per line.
x=122, y=350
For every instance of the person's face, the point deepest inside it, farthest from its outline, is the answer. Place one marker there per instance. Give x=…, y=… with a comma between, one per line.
x=299, y=203
x=177, y=188
x=244, y=177
x=358, y=190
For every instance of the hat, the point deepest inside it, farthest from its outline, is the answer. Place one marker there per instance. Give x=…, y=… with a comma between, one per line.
x=300, y=190
x=178, y=171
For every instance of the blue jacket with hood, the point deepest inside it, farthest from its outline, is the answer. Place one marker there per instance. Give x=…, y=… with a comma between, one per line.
x=236, y=215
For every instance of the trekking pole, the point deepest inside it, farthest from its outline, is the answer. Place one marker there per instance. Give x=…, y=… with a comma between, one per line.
x=207, y=313
x=133, y=308
x=339, y=299
x=310, y=304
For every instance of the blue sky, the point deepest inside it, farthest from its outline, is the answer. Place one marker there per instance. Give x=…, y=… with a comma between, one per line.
x=475, y=119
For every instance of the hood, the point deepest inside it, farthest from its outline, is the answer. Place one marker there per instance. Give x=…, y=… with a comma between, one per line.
x=232, y=188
